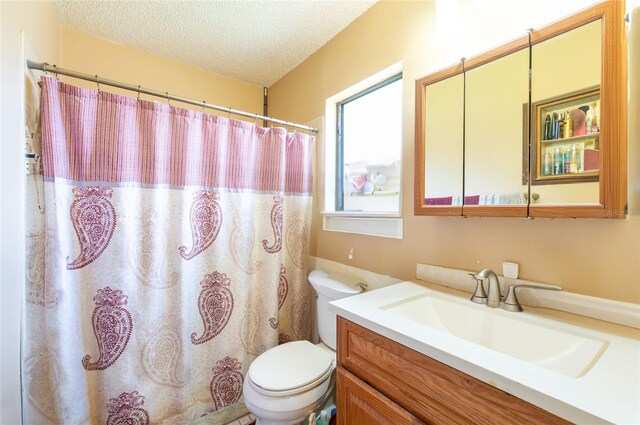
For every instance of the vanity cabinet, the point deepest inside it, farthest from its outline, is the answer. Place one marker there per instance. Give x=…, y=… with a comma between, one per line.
x=360, y=403
x=383, y=382
x=533, y=128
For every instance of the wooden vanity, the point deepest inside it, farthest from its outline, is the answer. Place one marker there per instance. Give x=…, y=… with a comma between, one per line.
x=380, y=381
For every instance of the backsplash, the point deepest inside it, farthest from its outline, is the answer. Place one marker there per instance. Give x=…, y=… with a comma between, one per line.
x=623, y=313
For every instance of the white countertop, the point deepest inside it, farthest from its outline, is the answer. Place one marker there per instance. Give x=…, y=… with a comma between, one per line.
x=609, y=391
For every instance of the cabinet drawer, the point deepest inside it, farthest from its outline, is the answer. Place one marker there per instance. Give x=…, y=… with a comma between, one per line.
x=431, y=391
x=358, y=403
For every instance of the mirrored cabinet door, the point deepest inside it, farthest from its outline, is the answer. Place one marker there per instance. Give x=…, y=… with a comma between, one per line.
x=566, y=118
x=579, y=115
x=441, y=141
x=496, y=105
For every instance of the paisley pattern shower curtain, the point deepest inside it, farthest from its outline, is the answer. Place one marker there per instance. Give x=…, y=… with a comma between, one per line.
x=166, y=250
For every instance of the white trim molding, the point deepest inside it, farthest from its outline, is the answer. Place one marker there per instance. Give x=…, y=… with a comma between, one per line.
x=383, y=226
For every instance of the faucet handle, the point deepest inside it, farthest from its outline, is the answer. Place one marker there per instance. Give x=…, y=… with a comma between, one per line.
x=479, y=295
x=511, y=302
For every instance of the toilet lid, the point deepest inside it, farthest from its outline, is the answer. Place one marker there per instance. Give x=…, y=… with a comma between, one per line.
x=291, y=365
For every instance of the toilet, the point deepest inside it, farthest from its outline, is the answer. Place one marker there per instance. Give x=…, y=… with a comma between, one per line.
x=288, y=382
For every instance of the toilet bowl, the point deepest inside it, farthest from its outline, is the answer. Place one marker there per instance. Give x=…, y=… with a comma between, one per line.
x=288, y=382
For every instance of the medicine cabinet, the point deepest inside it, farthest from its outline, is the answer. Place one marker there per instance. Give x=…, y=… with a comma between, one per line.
x=535, y=127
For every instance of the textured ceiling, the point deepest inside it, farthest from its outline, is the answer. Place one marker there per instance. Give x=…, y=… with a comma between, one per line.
x=253, y=41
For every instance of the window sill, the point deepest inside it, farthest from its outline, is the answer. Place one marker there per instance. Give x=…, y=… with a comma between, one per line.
x=386, y=225
x=376, y=193
x=361, y=214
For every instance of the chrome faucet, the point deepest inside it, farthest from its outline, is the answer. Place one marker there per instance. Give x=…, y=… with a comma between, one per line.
x=492, y=297
x=511, y=302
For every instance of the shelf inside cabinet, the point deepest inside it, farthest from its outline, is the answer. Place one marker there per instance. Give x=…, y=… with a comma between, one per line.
x=572, y=139
x=593, y=173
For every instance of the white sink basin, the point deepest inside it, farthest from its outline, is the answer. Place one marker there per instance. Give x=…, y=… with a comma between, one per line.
x=538, y=341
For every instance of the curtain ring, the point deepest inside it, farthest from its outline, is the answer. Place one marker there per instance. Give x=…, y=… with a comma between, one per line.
x=138, y=92
x=204, y=103
x=56, y=72
x=255, y=118
x=229, y=111
x=168, y=100
x=98, y=83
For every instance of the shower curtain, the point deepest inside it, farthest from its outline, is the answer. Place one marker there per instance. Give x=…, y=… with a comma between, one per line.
x=166, y=250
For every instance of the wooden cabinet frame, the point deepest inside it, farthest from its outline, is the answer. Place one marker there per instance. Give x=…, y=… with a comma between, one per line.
x=613, y=121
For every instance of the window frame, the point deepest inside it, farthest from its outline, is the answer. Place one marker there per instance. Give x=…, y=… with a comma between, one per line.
x=339, y=171
x=377, y=224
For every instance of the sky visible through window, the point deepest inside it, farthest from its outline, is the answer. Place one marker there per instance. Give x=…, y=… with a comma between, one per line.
x=372, y=126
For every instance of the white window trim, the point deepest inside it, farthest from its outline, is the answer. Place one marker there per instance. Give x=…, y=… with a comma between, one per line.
x=365, y=223
x=385, y=227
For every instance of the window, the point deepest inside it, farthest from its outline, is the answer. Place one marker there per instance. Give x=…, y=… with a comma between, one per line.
x=368, y=151
x=361, y=151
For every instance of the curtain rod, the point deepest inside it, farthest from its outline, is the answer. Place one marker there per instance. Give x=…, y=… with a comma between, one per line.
x=61, y=71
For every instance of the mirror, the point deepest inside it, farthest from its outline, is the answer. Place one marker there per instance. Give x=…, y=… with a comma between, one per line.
x=544, y=115
x=495, y=94
x=443, y=143
x=565, y=98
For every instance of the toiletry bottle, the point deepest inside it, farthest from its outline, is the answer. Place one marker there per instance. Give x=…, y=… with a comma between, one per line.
x=561, y=127
x=573, y=162
x=568, y=126
x=323, y=419
x=566, y=169
x=579, y=161
x=554, y=125
x=595, y=126
x=547, y=166
x=589, y=119
x=557, y=161
x=547, y=128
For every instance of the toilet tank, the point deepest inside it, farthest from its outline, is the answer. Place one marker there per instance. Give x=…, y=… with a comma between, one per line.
x=331, y=286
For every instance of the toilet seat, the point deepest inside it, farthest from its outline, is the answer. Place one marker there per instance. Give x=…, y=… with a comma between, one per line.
x=292, y=391
x=290, y=368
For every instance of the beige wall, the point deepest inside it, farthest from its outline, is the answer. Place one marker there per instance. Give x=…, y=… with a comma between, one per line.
x=91, y=55
x=39, y=23
x=589, y=256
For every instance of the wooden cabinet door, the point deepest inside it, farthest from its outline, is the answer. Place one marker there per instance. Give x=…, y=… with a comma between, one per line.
x=359, y=404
